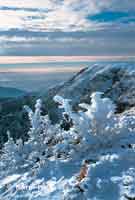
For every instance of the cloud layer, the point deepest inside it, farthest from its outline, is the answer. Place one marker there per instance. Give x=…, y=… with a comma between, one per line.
x=67, y=27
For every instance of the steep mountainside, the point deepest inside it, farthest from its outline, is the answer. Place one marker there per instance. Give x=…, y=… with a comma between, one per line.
x=116, y=80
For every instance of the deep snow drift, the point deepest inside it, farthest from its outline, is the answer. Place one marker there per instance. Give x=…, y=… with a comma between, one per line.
x=90, y=155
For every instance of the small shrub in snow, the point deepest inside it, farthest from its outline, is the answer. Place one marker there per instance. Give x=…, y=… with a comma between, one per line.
x=12, y=157
x=42, y=132
x=100, y=113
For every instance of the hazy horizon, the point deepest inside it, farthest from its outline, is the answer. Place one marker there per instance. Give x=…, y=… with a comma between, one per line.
x=41, y=75
x=37, y=76
x=44, y=59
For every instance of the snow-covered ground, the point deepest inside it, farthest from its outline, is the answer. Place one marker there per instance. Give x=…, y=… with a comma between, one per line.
x=90, y=155
x=111, y=175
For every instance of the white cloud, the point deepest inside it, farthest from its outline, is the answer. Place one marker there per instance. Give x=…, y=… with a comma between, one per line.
x=67, y=15
x=62, y=16
x=59, y=17
x=27, y=3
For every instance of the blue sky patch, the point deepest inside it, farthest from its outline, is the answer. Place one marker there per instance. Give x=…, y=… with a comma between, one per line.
x=108, y=16
x=128, y=20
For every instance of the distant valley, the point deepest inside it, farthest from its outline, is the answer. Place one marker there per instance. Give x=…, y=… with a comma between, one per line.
x=7, y=92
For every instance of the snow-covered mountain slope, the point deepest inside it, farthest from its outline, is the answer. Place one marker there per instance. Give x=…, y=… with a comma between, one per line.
x=116, y=80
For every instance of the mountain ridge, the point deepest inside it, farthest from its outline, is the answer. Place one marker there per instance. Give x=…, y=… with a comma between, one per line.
x=116, y=81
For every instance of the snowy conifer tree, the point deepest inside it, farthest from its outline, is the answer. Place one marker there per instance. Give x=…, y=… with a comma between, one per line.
x=12, y=155
x=100, y=115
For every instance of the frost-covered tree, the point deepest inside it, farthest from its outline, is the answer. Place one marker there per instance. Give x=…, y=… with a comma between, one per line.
x=100, y=115
x=70, y=136
x=43, y=135
x=35, y=119
x=99, y=119
x=77, y=122
x=38, y=131
x=12, y=157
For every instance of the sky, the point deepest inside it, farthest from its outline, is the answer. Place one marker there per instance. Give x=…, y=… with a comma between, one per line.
x=67, y=27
